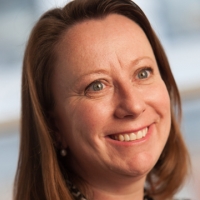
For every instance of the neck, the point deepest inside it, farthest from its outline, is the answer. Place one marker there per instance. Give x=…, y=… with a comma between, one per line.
x=122, y=191
x=114, y=186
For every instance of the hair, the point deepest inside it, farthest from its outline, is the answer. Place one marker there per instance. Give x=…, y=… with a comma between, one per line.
x=41, y=172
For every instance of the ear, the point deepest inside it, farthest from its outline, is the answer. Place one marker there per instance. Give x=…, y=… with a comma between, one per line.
x=59, y=139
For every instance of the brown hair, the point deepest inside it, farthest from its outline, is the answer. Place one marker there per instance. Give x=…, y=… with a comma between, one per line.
x=40, y=174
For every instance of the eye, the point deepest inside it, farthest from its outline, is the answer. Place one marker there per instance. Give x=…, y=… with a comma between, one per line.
x=144, y=73
x=95, y=86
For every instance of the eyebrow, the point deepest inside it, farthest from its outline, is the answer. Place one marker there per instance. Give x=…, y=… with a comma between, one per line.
x=98, y=71
x=138, y=60
x=103, y=71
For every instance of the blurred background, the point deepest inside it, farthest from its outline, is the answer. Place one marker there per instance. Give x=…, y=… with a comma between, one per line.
x=177, y=24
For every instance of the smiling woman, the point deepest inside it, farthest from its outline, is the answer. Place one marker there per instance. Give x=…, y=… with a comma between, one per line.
x=119, y=108
x=98, y=108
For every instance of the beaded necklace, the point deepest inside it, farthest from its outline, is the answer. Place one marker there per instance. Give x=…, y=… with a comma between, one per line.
x=79, y=196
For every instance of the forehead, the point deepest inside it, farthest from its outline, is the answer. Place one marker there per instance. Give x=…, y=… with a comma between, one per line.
x=93, y=28
x=99, y=40
x=96, y=30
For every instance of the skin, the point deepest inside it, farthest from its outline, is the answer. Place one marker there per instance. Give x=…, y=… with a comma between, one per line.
x=115, y=52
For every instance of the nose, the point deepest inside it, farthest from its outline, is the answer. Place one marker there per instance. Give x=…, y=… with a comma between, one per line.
x=130, y=102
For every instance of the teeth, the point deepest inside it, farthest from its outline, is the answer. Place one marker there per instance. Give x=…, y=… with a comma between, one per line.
x=144, y=132
x=139, y=135
x=132, y=136
x=126, y=137
x=121, y=138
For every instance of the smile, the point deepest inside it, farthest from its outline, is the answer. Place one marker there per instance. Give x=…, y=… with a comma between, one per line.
x=131, y=136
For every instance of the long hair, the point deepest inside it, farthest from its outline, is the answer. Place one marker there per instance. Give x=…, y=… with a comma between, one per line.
x=40, y=174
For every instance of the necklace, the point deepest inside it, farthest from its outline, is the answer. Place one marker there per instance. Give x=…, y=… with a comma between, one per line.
x=79, y=196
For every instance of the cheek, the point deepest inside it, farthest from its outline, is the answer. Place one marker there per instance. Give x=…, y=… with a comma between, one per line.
x=85, y=119
x=91, y=115
x=163, y=108
x=159, y=102
x=165, y=105
x=159, y=99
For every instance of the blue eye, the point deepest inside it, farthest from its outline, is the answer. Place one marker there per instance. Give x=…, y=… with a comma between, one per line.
x=95, y=86
x=144, y=73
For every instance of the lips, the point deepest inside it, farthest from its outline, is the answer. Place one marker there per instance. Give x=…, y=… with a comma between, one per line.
x=128, y=137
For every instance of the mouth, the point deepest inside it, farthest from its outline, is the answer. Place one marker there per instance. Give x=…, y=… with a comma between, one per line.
x=129, y=137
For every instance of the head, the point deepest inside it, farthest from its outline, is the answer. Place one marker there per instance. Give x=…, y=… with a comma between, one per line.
x=39, y=162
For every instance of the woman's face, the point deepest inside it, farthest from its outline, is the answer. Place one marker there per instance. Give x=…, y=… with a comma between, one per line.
x=112, y=107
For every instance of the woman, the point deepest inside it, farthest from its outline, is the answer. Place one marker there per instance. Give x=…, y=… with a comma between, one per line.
x=100, y=108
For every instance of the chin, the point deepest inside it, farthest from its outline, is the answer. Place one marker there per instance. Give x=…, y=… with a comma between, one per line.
x=139, y=166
